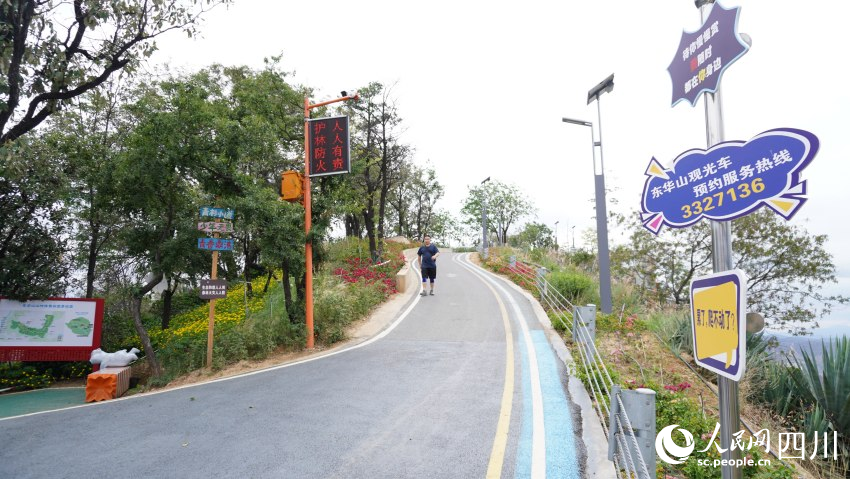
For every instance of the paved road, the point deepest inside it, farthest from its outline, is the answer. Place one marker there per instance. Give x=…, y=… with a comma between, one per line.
x=463, y=385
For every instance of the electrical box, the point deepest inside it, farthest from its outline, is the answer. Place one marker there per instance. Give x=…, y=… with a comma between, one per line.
x=291, y=186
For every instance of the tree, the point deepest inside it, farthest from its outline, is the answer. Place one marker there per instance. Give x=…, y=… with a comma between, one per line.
x=663, y=266
x=412, y=200
x=51, y=52
x=506, y=205
x=33, y=227
x=157, y=179
x=787, y=269
x=377, y=156
x=786, y=266
x=88, y=138
x=535, y=235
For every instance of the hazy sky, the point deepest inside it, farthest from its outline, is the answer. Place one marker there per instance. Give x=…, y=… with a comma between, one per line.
x=482, y=87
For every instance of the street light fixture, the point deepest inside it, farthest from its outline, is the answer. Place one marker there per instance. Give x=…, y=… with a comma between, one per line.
x=606, y=85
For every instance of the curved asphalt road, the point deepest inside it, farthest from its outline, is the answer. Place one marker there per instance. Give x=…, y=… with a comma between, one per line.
x=462, y=384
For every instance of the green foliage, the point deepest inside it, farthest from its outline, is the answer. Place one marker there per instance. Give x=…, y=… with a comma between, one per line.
x=338, y=304
x=52, y=52
x=787, y=269
x=32, y=222
x=786, y=266
x=573, y=286
x=534, y=235
x=506, y=205
x=560, y=320
x=36, y=375
x=827, y=387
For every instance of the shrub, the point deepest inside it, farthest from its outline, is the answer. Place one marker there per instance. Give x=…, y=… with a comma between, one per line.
x=575, y=287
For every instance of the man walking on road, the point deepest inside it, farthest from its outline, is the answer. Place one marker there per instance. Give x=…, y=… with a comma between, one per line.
x=428, y=263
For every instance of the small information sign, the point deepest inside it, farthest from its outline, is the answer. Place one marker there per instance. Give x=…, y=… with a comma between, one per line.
x=212, y=212
x=329, y=146
x=718, y=312
x=213, y=227
x=215, y=244
x=213, y=288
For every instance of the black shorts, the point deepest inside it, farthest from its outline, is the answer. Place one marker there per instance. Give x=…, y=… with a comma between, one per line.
x=429, y=273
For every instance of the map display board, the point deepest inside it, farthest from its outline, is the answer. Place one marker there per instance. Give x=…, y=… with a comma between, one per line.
x=57, y=329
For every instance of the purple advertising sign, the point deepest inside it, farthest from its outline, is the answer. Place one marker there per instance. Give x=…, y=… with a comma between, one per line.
x=729, y=180
x=703, y=55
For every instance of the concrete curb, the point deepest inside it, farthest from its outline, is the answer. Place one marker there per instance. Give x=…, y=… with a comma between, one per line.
x=596, y=460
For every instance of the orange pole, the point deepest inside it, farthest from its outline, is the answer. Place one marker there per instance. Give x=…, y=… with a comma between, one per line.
x=308, y=293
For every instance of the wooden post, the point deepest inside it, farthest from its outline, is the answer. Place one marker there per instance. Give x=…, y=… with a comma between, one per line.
x=211, y=326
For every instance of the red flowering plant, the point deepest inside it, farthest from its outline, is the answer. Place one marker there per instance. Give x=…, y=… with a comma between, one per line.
x=359, y=270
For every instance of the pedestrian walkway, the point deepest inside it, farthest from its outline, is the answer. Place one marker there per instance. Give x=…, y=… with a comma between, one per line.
x=27, y=402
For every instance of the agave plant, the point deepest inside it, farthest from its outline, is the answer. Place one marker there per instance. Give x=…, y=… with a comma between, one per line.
x=827, y=390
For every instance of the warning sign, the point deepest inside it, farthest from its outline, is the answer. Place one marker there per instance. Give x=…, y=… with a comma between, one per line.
x=718, y=319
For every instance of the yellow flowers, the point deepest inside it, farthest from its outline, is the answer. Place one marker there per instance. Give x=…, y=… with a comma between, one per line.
x=229, y=311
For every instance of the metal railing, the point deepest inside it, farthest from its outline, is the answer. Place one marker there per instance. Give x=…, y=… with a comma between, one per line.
x=630, y=448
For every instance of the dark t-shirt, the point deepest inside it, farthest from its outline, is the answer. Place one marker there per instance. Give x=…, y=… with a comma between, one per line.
x=427, y=253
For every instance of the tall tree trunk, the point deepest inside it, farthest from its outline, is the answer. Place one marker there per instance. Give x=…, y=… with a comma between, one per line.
x=167, y=296
x=268, y=281
x=369, y=220
x=136, y=310
x=301, y=288
x=92, y=263
x=287, y=293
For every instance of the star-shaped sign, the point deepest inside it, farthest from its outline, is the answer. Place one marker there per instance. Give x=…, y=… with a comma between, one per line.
x=703, y=55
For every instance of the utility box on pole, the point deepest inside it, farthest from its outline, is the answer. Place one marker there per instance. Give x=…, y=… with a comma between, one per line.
x=291, y=186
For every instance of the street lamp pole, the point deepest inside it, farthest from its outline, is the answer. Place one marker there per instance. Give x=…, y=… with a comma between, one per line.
x=606, y=85
x=484, y=219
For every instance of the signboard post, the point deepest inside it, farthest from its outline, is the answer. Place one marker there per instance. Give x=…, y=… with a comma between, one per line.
x=338, y=164
x=726, y=181
x=214, y=244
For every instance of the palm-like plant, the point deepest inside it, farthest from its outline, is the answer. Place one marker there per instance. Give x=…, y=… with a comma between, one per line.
x=827, y=389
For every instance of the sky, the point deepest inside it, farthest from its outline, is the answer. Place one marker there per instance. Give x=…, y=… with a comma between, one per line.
x=482, y=87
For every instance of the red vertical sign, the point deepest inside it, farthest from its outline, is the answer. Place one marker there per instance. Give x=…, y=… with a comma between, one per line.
x=329, y=146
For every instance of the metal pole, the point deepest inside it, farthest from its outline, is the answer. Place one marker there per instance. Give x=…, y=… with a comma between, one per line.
x=602, y=221
x=484, y=228
x=484, y=244
x=721, y=251
x=308, y=266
